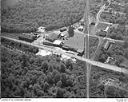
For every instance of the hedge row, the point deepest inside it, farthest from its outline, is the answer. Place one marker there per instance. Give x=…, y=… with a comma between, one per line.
x=18, y=45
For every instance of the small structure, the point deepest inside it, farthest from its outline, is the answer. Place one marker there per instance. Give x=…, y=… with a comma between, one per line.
x=107, y=28
x=65, y=58
x=81, y=28
x=101, y=33
x=52, y=37
x=110, y=60
x=108, y=45
x=80, y=52
x=44, y=53
x=63, y=29
x=64, y=35
x=58, y=42
x=41, y=29
x=124, y=64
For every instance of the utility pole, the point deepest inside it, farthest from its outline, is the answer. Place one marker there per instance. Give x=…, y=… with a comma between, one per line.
x=86, y=44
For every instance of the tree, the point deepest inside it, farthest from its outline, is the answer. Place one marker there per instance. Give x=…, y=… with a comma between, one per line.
x=62, y=68
x=45, y=67
x=71, y=31
x=60, y=93
x=126, y=43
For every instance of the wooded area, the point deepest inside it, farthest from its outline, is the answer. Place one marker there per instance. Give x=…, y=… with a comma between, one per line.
x=25, y=75
x=28, y=15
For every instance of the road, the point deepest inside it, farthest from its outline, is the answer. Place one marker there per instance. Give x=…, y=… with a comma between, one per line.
x=95, y=63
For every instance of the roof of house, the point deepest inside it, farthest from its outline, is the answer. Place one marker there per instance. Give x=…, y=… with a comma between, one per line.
x=43, y=53
x=52, y=37
x=124, y=63
x=57, y=42
x=102, y=26
x=65, y=33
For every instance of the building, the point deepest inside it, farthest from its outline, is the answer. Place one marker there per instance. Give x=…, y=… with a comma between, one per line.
x=107, y=28
x=44, y=53
x=63, y=29
x=64, y=35
x=108, y=45
x=80, y=52
x=58, y=43
x=110, y=60
x=41, y=29
x=124, y=64
x=52, y=37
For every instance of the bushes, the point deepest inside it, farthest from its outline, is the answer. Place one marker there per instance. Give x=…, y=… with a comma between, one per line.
x=35, y=76
x=18, y=45
x=28, y=15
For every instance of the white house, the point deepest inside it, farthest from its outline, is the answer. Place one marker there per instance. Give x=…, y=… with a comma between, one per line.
x=41, y=29
x=57, y=42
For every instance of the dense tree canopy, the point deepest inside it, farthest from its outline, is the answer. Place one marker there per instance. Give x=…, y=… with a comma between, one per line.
x=35, y=76
x=27, y=15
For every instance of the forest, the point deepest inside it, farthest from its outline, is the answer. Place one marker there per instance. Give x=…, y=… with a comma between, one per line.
x=28, y=15
x=31, y=76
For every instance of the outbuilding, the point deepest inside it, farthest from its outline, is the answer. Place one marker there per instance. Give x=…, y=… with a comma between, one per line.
x=58, y=42
x=41, y=29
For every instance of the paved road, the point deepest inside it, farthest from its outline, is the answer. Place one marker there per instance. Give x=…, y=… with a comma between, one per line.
x=95, y=63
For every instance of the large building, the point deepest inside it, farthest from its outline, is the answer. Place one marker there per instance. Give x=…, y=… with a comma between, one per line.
x=52, y=37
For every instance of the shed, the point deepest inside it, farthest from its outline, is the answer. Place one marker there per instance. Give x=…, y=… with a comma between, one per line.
x=58, y=42
x=52, y=37
x=107, y=44
x=41, y=29
x=124, y=64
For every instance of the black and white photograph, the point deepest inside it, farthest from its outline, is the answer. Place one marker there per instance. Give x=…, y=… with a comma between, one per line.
x=64, y=49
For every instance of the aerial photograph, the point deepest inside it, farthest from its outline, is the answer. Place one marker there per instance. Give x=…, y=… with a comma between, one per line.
x=64, y=49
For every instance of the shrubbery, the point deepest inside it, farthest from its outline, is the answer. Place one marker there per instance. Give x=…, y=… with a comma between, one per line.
x=18, y=45
x=28, y=15
x=32, y=76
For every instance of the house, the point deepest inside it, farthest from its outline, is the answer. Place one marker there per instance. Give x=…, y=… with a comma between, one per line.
x=107, y=28
x=63, y=29
x=64, y=34
x=81, y=28
x=41, y=29
x=110, y=60
x=44, y=53
x=52, y=37
x=124, y=64
x=108, y=45
x=80, y=52
x=58, y=42
x=65, y=58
